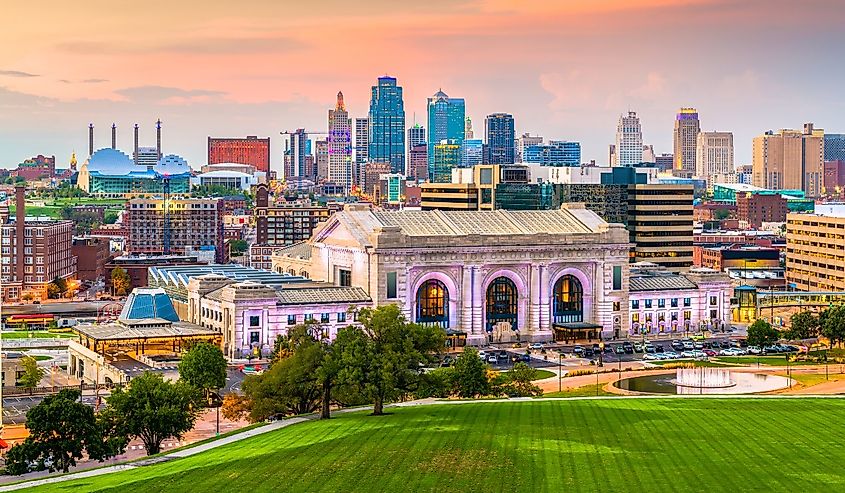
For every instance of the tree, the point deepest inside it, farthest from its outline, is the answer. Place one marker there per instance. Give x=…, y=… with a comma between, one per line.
x=238, y=246
x=469, y=375
x=761, y=333
x=56, y=288
x=61, y=429
x=833, y=324
x=120, y=281
x=802, y=325
x=32, y=373
x=520, y=381
x=204, y=367
x=110, y=217
x=382, y=358
x=435, y=383
x=154, y=409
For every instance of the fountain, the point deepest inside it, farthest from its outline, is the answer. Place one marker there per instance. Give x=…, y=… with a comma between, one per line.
x=704, y=378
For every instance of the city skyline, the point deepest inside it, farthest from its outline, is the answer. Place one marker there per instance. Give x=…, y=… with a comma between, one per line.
x=87, y=70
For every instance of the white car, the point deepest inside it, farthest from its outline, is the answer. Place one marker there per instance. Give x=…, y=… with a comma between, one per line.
x=492, y=359
x=651, y=356
x=482, y=354
x=729, y=352
x=695, y=353
x=671, y=355
x=754, y=350
x=536, y=345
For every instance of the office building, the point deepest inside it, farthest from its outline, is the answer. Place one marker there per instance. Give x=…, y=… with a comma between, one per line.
x=296, y=151
x=790, y=159
x=755, y=208
x=472, y=153
x=321, y=160
x=35, y=251
x=714, y=155
x=372, y=178
x=251, y=150
x=834, y=177
x=523, y=142
x=555, y=153
x=664, y=162
x=446, y=121
x=416, y=136
x=660, y=224
x=418, y=162
x=36, y=168
x=468, y=132
x=834, y=147
x=815, y=249
x=447, y=155
x=185, y=226
x=387, y=125
x=339, y=146
x=685, y=139
x=92, y=254
x=648, y=154
x=362, y=144
x=499, y=130
x=628, y=150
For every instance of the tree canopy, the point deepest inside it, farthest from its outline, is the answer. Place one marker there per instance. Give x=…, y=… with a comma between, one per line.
x=32, y=373
x=802, y=325
x=761, y=333
x=469, y=375
x=120, y=281
x=204, y=367
x=833, y=324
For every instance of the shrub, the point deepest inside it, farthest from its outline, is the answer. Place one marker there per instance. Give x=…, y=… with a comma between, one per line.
x=578, y=373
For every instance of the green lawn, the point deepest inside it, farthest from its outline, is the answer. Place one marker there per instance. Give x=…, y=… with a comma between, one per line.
x=610, y=445
x=36, y=334
x=591, y=390
x=539, y=375
x=764, y=361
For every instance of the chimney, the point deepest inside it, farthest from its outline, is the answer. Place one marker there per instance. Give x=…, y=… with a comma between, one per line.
x=90, y=139
x=158, y=138
x=20, y=227
x=135, y=154
x=113, y=136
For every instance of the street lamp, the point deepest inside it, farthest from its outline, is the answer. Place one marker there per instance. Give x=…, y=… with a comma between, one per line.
x=559, y=372
x=214, y=400
x=601, y=354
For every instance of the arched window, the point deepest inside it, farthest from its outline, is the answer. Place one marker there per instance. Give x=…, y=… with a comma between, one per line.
x=501, y=303
x=568, y=300
x=433, y=303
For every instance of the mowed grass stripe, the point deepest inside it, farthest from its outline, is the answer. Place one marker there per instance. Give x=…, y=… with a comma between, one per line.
x=614, y=445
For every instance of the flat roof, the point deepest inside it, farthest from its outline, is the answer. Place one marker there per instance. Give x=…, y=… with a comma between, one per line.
x=142, y=329
x=182, y=274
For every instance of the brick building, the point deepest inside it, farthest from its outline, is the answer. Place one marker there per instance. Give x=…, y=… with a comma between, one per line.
x=758, y=208
x=36, y=168
x=834, y=176
x=137, y=267
x=34, y=252
x=195, y=224
x=92, y=254
x=251, y=150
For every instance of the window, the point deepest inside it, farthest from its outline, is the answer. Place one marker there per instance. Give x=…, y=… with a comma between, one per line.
x=674, y=316
x=254, y=320
x=648, y=303
x=291, y=319
x=687, y=315
x=687, y=302
x=568, y=298
x=309, y=317
x=617, y=277
x=324, y=318
x=661, y=303
x=674, y=302
x=635, y=318
x=391, y=285
x=635, y=304
x=713, y=315
x=341, y=317
x=712, y=301
x=617, y=306
x=345, y=277
x=254, y=337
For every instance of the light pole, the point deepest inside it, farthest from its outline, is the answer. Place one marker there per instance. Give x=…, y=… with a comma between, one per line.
x=559, y=372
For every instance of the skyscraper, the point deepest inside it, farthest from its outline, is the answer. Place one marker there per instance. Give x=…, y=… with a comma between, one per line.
x=687, y=128
x=500, y=137
x=418, y=162
x=447, y=155
x=387, y=124
x=628, y=150
x=789, y=159
x=340, y=145
x=714, y=154
x=251, y=150
x=321, y=160
x=362, y=144
x=834, y=147
x=523, y=142
x=416, y=135
x=295, y=153
x=468, y=133
x=446, y=121
x=555, y=153
x=472, y=152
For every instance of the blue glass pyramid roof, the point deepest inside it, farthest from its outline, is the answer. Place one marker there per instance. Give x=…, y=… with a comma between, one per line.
x=148, y=303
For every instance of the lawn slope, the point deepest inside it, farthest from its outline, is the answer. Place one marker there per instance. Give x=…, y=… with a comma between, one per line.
x=624, y=444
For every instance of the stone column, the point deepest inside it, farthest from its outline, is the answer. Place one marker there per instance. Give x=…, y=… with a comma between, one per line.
x=465, y=300
x=533, y=318
x=477, y=334
x=545, y=299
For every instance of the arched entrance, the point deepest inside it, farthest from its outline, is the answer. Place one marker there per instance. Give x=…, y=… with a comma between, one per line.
x=433, y=303
x=568, y=300
x=502, y=303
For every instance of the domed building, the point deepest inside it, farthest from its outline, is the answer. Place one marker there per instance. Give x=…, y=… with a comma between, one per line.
x=112, y=173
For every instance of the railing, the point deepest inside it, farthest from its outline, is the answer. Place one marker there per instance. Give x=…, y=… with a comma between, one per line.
x=21, y=391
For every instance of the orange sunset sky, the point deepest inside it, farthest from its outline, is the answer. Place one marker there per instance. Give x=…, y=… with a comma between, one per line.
x=564, y=69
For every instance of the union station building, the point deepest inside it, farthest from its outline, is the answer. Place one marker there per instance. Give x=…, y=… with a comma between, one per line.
x=484, y=276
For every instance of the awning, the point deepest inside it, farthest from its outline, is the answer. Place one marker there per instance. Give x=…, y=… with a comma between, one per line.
x=576, y=326
x=3, y=444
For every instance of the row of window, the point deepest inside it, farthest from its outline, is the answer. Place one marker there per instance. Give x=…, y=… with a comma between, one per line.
x=661, y=303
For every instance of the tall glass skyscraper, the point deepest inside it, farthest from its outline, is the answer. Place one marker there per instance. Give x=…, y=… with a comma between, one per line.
x=500, y=138
x=387, y=125
x=446, y=121
x=555, y=153
x=447, y=155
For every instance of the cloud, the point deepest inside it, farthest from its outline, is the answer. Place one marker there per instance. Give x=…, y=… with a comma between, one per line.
x=17, y=73
x=94, y=81
x=211, y=45
x=166, y=95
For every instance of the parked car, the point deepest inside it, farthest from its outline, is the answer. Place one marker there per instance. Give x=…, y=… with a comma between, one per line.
x=619, y=349
x=628, y=347
x=693, y=353
x=771, y=350
x=503, y=356
x=649, y=348
x=578, y=350
x=638, y=347
x=709, y=352
x=525, y=358
x=536, y=345
x=729, y=352
x=608, y=349
x=588, y=353
x=698, y=345
x=688, y=345
x=482, y=354
x=671, y=355
x=650, y=356
x=492, y=359
x=754, y=350
x=658, y=348
x=677, y=345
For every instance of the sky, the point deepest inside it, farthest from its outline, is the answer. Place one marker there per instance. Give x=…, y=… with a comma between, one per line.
x=565, y=69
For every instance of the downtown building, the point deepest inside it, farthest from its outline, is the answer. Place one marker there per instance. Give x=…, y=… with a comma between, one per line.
x=815, y=249
x=446, y=122
x=790, y=160
x=362, y=144
x=685, y=141
x=339, y=146
x=499, y=131
x=714, y=155
x=555, y=153
x=250, y=150
x=628, y=150
x=387, y=125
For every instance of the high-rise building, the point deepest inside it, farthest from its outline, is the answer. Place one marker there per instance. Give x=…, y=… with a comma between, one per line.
x=814, y=254
x=372, y=178
x=387, y=124
x=628, y=150
x=648, y=154
x=664, y=162
x=416, y=136
x=251, y=150
x=362, y=144
x=524, y=141
x=555, y=153
x=472, y=152
x=339, y=146
x=447, y=155
x=499, y=129
x=446, y=121
x=661, y=224
x=834, y=147
x=687, y=128
x=418, y=162
x=468, y=132
x=790, y=160
x=714, y=154
x=321, y=159
x=295, y=152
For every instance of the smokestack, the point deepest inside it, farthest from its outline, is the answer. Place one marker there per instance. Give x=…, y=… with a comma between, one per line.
x=90, y=139
x=158, y=138
x=135, y=155
x=20, y=227
x=113, y=136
